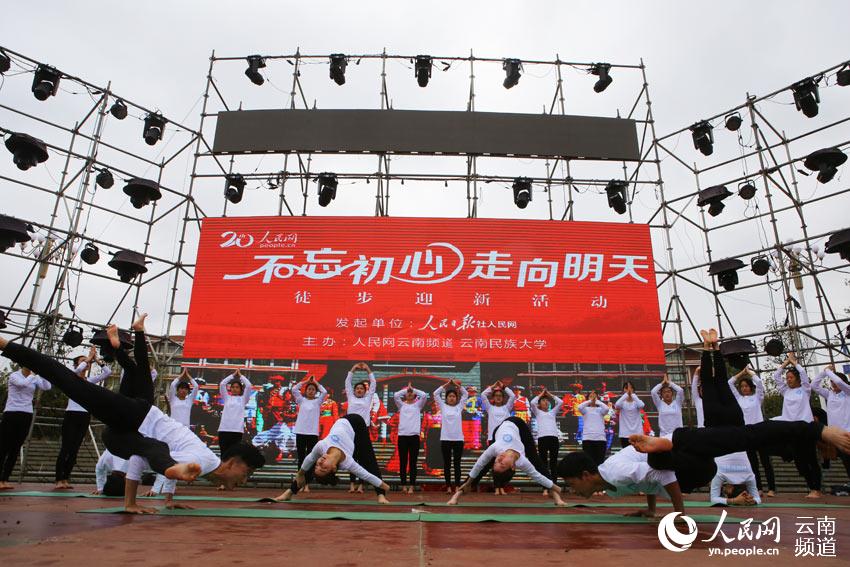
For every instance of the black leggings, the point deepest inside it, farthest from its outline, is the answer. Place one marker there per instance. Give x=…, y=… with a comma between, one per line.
x=452, y=452
x=227, y=439
x=547, y=448
x=136, y=381
x=595, y=450
x=530, y=448
x=764, y=456
x=13, y=433
x=75, y=425
x=806, y=463
x=720, y=408
x=845, y=460
x=303, y=445
x=408, y=457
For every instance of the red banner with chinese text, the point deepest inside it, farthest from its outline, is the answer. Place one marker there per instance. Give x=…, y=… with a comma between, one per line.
x=425, y=290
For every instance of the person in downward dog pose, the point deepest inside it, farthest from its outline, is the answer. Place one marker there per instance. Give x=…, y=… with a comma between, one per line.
x=307, y=423
x=451, y=432
x=359, y=397
x=498, y=409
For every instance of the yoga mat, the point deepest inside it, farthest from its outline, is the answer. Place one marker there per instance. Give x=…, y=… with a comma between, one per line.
x=560, y=518
x=276, y=514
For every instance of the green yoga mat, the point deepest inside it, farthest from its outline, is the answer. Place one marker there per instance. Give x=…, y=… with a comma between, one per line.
x=563, y=518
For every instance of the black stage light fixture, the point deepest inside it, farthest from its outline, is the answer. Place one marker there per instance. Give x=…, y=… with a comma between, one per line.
x=2, y=319
x=255, y=63
x=27, y=151
x=618, y=195
x=842, y=77
x=327, y=188
x=338, y=65
x=118, y=109
x=422, y=69
x=512, y=69
x=128, y=264
x=713, y=197
x=737, y=352
x=104, y=179
x=806, y=96
x=703, y=135
x=602, y=70
x=13, y=231
x=234, y=187
x=73, y=336
x=142, y=191
x=726, y=272
x=90, y=254
x=522, y=192
x=839, y=243
x=99, y=339
x=825, y=161
x=747, y=190
x=45, y=82
x=5, y=63
x=154, y=128
x=733, y=121
x=774, y=346
x=760, y=265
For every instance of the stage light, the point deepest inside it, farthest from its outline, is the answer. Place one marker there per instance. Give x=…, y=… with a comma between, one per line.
x=733, y=121
x=737, y=352
x=5, y=63
x=713, y=197
x=618, y=195
x=842, y=77
x=13, y=231
x=142, y=191
x=747, y=190
x=128, y=264
x=255, y=63
x=99, y=339
x=90, y=254
x=154, y=127
x=512, y=69
x=338, y=65
x=774, y=346
x=806, y=97
x=118, y=109
x=825, y=161
x=760, y=265
x=839, y=243
x=45, y=82
x=2, y=320
x=726, y=272
x=601, y=70
x=522, y=192
x=327, y=188
x=27, y=151
x=104, y=179
x=73, y=336
x=703, y=134
x=234, y=187
x=423, y=69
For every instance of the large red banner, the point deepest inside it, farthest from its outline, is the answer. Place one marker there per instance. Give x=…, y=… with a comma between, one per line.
x=424, y=290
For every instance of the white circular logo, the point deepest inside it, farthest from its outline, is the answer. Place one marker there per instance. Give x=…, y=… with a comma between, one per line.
x=507, y=437
x=671, y=538
x=335, y=438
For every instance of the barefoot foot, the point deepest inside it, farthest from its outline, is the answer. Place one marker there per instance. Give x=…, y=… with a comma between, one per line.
x=139, y=324
x=382, y=499
x=837, y=437
x=647, y=444
x=814, y=494
x=183, y=471
x=112, y=335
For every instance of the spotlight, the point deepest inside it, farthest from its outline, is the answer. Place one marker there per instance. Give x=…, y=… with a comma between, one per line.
x=13, y=231
x=747, y=190
x=713, y=197
x=118, y=109
x=733, y=121
x=839, y=243
x=512, y=69
x=825, y=161
x=142, y=191
x=154, y=127
x=99, y=339
x=73, y=336
x=760, y=265
x=104, y=179
x=617, y=195
x=128, y=264
x=234, y=187
x=737, y=352
x=806, y=97
x=27, y=151
x=522, y=192
x=602, y=71
x=703, y=135
x=2, y=320
x=90, y=254
x=255, y=63
x=338, y=65
x=45, y=82
x=327, y=188
x=423, y=69
x=842, y=76
x=5, y=63
x=774, y=346
x=726, y=272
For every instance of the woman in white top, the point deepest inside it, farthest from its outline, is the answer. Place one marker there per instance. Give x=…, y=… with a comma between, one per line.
x=181, y=395
x=451, y=431
x=17, y=418
x=235, y=393
x=545, y=408
x=594, y=443
x=837, y=395
x=410, y=403
x=630, y=421
x=748, y=390
x=667, y=397
x=359, y=402
x=498, y=401
x=307, y=423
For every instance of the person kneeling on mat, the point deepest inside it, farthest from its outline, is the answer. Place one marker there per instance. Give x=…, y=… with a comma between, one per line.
x=109, y=475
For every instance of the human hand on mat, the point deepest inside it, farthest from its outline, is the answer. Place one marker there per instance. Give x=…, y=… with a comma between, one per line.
x=743, y=499
x=95, y=492
x=138, y=509
x=641, y=514
x=177, y=506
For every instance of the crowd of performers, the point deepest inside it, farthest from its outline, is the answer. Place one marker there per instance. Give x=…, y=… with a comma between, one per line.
x=726, y=451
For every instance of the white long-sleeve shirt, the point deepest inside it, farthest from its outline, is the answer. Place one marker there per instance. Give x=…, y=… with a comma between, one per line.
x=340, y=436
x=507, y=438
x=410, y=415
x=22, y=389
x=593, y=428
x=795, y=401
x=452, y=425
x=630, y=422
x=837, y=403
x=233, y=414
x=105, y=373
x=307, y=422
x=750, y=405
x=669, y=415
x=733, y=469
x=628, y=472
x=496, y=414
x=181, y=410
x=360, y=406
x=697, y=399
x=104, y=467
x=547, y=425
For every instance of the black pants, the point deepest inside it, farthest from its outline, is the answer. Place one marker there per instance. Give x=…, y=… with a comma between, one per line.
x=452, y=452
x=595, y=450
x=114, y=485
x=136, y=382
x=528, y=445
x=13, y=433
x=720, y=408
x=806, y=463
x=845, y=460
x=408, y=457
x=303, y=445
x=227, y=439
x=75, y=425
x=764, y=456
x=547, y=448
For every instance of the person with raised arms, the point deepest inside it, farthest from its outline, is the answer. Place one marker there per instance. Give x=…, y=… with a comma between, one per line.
x=309, y=396
x=359, y=398
x=667, y=397
x=748, y=390
x=545, y=408
x=236, y=392
x=451, y=431
x=498, y=403
x=410, y=402
x=630, y=421
x=837, y=396
x=17, y=419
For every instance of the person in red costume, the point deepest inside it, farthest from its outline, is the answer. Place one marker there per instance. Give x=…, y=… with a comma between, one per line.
x=432, y=423
x=472, y=414
x=379, y=415
x=392, y=425
x=521, y=409
x=328, y=414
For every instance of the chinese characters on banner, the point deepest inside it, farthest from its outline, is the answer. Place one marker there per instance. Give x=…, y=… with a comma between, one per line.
x=424, y=289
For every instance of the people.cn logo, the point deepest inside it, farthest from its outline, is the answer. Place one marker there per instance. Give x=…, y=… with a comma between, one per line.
x=240, y=240
x=671, y=538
